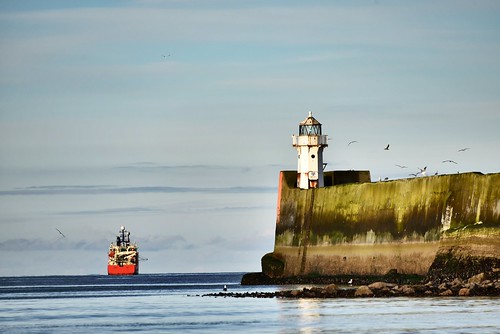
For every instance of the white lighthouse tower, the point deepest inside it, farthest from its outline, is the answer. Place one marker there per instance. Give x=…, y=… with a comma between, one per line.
x=309, y=144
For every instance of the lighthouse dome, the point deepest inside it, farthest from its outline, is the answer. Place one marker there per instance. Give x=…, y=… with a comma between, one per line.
x=310, y=126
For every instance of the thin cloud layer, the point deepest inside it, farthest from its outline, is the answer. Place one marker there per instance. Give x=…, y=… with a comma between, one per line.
x=151, y=243
x=96, y=189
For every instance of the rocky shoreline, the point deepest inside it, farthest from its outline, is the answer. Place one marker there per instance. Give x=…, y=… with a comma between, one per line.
x=478, y=285
x=390, y=277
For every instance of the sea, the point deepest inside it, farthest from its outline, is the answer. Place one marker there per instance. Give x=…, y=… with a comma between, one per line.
x=177, y=303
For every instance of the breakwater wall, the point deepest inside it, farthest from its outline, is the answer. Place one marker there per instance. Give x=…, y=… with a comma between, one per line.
x=365, y=228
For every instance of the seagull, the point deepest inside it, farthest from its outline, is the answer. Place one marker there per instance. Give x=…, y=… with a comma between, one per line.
x=352, y=142
x=165, y=57
x=423, y=170
x=387, y=147
x=60, y=233
x=463, y=149
x=450, y=161
x=413, y=174
x=350, y=282
x=224, y=288
x=401, y=166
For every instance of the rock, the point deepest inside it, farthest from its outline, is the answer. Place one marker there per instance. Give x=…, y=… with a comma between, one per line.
x=295, y=293
x=331, y=289
x=469, y=285
x=457, y=282
x=392, y=272
x=443, y=286
x=381, y=289
x=407, y=290
x=420, y=289
x=377, y=286
x=363, y=291
x=316, y=292
x=464, y=292
x=256, y=279
x=487, y=283
x=476, y=278
x=446, y=293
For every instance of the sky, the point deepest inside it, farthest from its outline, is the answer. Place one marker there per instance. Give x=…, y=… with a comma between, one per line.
x=174, y=118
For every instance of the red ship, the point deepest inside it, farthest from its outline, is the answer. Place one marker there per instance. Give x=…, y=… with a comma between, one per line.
x=123, y=256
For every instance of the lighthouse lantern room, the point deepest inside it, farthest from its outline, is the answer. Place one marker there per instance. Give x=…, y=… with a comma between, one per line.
x=310, y=144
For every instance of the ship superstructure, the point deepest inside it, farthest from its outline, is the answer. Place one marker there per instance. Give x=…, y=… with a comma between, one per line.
x=123, y=255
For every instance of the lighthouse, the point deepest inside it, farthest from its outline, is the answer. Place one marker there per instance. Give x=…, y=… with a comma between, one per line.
x=310, y=143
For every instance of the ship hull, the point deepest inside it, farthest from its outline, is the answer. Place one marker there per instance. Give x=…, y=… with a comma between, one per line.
x=126, y=269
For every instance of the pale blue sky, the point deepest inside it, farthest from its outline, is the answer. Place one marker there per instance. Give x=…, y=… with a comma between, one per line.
x=99, y=129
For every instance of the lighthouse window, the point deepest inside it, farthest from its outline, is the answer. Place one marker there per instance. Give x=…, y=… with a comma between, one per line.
x=310, y=130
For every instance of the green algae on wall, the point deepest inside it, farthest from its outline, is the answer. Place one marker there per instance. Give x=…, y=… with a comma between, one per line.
x=393, y=213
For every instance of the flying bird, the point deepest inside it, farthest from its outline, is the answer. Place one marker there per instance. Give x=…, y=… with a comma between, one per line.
x=387, y=147
x=60, y=233
x=400, y=166
x=413, y=174
x=352, y=142
x=464, y=149
x=423, y=170
x=450, y=161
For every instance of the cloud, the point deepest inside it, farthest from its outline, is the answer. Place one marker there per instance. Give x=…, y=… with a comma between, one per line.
x=250, y=242
x=105, y=189
x=151, y=243
x=155, y=243
x=38, y=244
x=216, y=240
x=111, y=211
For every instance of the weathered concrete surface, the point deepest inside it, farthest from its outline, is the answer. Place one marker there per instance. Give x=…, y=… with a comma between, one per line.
x=372, y=228
x=466, y=252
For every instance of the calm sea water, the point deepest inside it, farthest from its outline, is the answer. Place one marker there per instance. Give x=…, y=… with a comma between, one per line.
x=172, y=303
